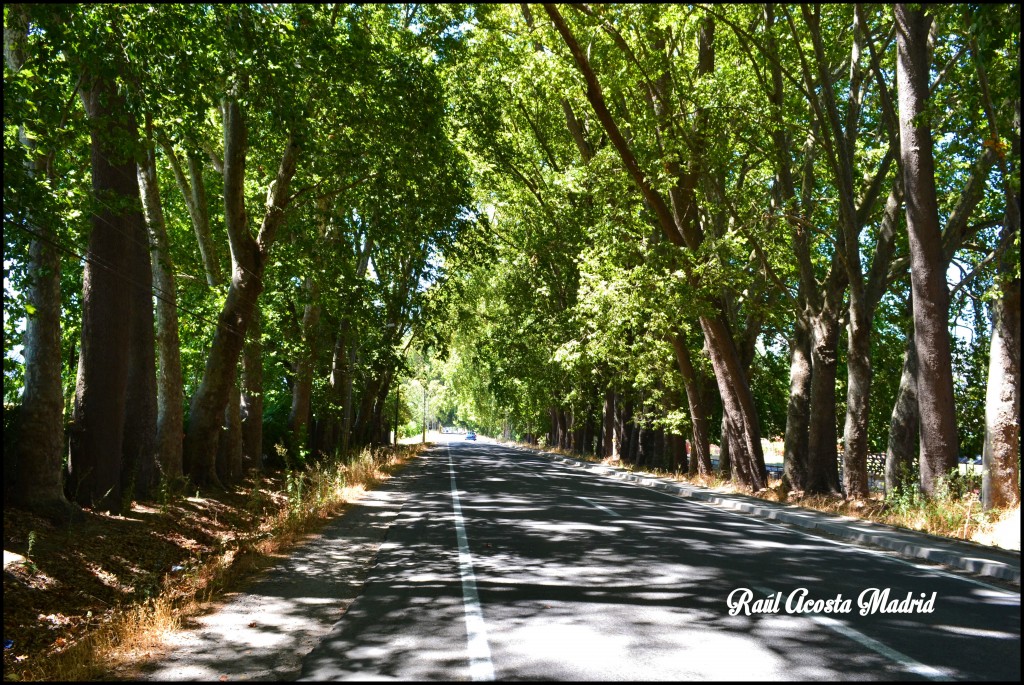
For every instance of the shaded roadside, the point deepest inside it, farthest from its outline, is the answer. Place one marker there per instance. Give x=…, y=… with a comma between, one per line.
x=263, y=631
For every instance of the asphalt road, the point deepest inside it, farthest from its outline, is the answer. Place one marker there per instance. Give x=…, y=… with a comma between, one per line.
x=503, y=565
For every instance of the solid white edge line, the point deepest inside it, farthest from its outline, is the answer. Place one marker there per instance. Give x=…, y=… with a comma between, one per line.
x=906, y=663
x=477, y=647
x=886, y=554
x=840, y=543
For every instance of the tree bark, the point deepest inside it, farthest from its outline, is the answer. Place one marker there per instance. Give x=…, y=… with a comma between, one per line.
x=251, y=405
x=1000, y=485
x=249, y=259
x=738, y=404
x=98, y=417
x=170, y=410
x=609, y=424
x=725, y=469
x=699, y=420
x=140, y=472
x=341, y=384
x=822, y=467
x=796, y=455
x=40, y=443
x=1001, y=456
x=904, y=427
x=939, y=440
x=858, y=395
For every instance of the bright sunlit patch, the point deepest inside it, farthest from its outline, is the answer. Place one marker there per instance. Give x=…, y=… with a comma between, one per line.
x=977, y=632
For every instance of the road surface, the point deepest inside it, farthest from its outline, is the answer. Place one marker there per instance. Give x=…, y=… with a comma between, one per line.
x=503, y=565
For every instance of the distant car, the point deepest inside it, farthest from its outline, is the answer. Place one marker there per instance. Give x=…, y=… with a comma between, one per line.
x=470, y=435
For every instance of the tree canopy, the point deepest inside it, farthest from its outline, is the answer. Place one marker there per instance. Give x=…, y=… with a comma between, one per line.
x=626, y=230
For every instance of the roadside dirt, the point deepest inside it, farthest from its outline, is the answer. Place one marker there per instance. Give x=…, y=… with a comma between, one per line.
x=61, y=583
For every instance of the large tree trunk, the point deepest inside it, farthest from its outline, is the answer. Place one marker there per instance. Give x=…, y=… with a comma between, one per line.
x=380, y=434
x=140, y=472
x=342, y=362
x=904, y=426
x=170, y=411
x=1000, y=485
x=699, y=420
x=738, y=404
x=41, y=438
x=822, y=467
x=627, y=429
x=98, y=416
x=855, y=433
x=251, y=405
x=1001, y=456
x=362, y=428
x=618, y=429
x=229, y=454
x=725, y=469
x=939, y=440
x=206, y=413
x=795, y=450
x=249, y=259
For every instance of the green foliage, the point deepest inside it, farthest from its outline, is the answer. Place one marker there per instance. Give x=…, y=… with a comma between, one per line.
x=445, y=200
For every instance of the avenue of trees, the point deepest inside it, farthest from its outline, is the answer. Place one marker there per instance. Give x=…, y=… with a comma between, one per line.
x=248, y=235
x=729, y=223
x=219, y=221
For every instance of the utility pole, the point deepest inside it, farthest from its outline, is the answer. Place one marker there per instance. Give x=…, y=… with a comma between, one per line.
x=424, y=413
x=398, y=402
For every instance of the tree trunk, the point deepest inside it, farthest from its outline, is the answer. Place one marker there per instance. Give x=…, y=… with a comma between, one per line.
x=302, y=388
x=342, y=364
x=380, y=413
x=795, y=455
x=855, y=433
x=822, y=467
x=738, y=403
x=170, y=411
x=362, y=428
x=553, y=431
x=699, y=420
x=194, y=194
x=251, y=404
x=41, y=438
x=211, y=398
x=1000, y=475
x=1000, y=486
x=725, y=450
x=249, y=259
x=939, y=440
x=609, y=424
x=627, y=429
x=229, y=456
x=98, y=416
x=904, y=425
x=588, y=435
x=140, y=473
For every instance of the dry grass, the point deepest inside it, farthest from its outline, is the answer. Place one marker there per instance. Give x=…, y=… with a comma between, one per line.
x=958, y=517
x=207, y=544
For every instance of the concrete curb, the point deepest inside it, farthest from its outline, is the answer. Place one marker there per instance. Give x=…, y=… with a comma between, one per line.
x=964, y=556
